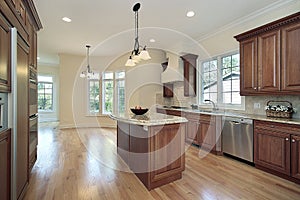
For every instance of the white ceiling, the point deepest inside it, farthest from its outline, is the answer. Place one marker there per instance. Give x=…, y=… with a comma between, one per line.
x=108, y=25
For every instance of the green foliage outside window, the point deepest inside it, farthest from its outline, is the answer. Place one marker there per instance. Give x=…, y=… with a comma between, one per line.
x=94, y=96
x=45, y=96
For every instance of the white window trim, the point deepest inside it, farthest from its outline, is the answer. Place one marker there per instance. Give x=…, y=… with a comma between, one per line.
x=219, y=104
x=89, y=113
x=103, y=93
x=53, y=95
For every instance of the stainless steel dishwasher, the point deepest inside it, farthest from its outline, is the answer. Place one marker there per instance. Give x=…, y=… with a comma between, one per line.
x=237, y=137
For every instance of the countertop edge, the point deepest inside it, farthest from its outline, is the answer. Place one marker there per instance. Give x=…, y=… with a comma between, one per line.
x=294, y=121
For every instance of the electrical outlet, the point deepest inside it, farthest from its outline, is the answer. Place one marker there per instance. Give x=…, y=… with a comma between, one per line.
x=256, y=105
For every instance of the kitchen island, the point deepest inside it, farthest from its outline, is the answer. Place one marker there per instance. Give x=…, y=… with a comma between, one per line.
x=153, y=146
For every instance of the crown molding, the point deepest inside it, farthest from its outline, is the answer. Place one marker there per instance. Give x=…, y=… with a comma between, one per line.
x=247, y=18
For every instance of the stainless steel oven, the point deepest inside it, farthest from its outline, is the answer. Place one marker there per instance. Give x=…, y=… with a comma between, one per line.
x=33, y=109
x=33, y=139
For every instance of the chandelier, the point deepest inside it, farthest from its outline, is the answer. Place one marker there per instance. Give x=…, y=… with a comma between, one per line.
x=88, y=73
x=139, y=52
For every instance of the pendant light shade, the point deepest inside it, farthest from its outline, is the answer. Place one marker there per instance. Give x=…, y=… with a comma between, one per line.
x=136, y=54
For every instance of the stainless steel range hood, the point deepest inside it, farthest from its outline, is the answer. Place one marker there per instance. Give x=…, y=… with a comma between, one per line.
x=174, y=70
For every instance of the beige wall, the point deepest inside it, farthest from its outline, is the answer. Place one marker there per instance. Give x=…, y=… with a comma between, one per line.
x=51, y=70
x=142, y=83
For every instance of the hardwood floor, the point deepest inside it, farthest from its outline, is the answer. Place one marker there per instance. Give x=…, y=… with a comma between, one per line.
x=65, y=169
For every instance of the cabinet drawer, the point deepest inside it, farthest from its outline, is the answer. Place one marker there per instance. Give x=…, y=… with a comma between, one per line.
x=207, y=118
x=192, y=116
x=275, y=126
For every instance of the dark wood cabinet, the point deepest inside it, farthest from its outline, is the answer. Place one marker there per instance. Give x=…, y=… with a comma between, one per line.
x=269, y=62
x=276, y=148
x=269, y=58
x=157, y=159
x=22, y=145
x=290, y=58
x=5, y=55
x=5, y=164
x=190, y=74
x=192, y=128
x=168, y=90
x=248, y=66
x=295, y=156
x=207, y=133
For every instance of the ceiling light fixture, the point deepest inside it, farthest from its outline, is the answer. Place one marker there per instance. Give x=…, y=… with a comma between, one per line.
x=137, y=55
x=88, y=73
x=152, y=40
x=66, y=19
x=190, y=13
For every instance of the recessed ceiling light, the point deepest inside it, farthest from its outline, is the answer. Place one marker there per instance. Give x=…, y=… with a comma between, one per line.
x=152, y=40
x=190, y=13
x=38, y=58
x=66, y=19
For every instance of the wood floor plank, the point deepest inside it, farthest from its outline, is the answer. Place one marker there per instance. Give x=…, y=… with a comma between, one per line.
x=86, y=166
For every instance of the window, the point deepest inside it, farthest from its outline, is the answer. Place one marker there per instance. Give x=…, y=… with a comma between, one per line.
x=45, y=93
x=94, y=89
x=209, y=80
x=231, y=79
x=120, y=91
x=220, y=80
x=107, y=92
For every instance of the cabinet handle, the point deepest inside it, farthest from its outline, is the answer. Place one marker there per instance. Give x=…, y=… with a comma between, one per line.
x=254, y=88
x=293, y=140
x=287, y=139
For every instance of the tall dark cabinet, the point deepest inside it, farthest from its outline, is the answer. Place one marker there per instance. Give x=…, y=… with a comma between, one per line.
x=14, y=147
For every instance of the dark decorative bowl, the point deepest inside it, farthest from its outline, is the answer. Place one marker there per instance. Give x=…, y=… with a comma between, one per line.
x=139, y=111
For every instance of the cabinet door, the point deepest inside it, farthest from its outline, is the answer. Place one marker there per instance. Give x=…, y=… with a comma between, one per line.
x=272, y=150
x=22, y=116
x=190, y=74
x=192, y=132
x=168, y=89
x=5, y=54
x=207, y=135
x=269, y=62
x=248, y=66
x=295, y=156
x=291, y=59
x=5, y=165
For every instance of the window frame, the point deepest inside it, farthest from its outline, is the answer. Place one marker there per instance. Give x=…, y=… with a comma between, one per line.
x=219, y=102
x=116, y=99
x=88, y=97
x=52, y=95
x=103, y=92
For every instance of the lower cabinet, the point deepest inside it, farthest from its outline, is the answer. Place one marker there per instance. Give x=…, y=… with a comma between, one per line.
x=5, y=159
x=276, y=148
x=203, y=130
x=295, y=156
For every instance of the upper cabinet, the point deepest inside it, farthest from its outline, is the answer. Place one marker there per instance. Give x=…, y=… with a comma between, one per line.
x=5, y=54
x=190, y=74
x=269, y=58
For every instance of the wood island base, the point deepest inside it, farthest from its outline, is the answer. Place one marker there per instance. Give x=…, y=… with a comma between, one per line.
x=154, y=153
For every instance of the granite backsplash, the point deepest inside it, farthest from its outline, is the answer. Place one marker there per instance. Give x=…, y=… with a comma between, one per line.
x=180, y=100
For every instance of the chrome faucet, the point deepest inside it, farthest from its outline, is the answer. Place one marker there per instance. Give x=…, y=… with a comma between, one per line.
x=213, y=103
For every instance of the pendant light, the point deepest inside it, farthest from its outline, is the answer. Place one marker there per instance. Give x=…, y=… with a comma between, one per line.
x=138, y=53
x=88, y=73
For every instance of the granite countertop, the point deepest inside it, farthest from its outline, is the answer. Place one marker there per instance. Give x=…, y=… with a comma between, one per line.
x=295, y=121
x=148, y=119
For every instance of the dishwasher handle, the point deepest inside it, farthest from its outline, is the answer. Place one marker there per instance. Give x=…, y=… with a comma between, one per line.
x=235, y=122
